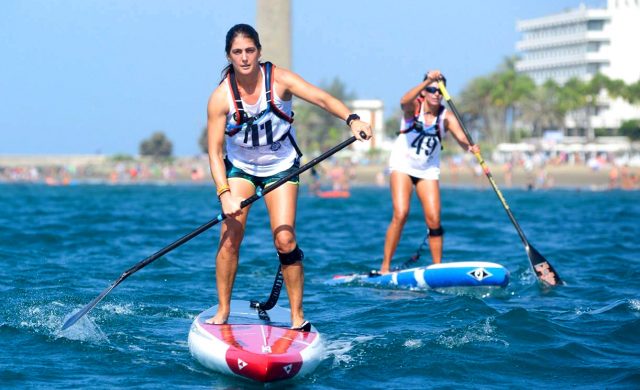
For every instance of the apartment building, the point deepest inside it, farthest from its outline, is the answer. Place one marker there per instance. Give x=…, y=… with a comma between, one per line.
x=580, y=43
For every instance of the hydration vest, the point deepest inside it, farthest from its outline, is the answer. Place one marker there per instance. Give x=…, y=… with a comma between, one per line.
x=418, y=126
x=244, y=122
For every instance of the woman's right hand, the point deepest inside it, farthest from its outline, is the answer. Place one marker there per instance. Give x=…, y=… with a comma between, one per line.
x=231, y=205
x=359, y=127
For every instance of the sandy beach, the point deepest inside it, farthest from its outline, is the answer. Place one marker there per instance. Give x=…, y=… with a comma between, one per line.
x=76, y=169
x=563, y=176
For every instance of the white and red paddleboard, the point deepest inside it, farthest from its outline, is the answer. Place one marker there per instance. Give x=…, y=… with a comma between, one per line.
x=254, y=346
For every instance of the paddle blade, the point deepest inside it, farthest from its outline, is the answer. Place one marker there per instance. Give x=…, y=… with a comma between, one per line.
x=543, y=269
x=74, y=318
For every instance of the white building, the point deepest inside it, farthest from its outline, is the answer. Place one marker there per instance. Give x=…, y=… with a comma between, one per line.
x=372, y=112
x=580, y=43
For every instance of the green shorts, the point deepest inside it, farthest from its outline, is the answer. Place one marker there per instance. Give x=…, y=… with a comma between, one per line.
x=262, y=182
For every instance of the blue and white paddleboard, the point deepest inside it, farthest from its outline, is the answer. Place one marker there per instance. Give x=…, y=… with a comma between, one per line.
x=455, y=274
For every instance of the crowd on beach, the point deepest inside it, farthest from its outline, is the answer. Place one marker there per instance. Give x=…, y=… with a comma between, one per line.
x=537, y=167
x=134, y=171
x=536, y=170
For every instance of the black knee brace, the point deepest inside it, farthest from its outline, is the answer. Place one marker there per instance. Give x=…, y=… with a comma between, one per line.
x=292, y=257
x=437, y=232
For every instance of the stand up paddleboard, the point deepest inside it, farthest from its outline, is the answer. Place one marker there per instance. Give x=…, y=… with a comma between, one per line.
x=255, y=344
x=455, y=274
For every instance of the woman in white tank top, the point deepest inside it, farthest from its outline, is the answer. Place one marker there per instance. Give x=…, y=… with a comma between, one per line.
x=415, y=160
x=259, y=150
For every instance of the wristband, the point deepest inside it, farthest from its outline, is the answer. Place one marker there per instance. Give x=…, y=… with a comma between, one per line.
x=351, y=118
x=223, y=189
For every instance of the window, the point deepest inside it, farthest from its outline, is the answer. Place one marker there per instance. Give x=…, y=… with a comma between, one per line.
x=595, y=25
x=593, y=47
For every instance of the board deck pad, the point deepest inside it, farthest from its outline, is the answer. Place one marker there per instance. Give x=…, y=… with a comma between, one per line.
x=254, y=347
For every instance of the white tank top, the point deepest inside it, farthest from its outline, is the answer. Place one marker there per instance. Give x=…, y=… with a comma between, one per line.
x=417, y=153
x=261, y=148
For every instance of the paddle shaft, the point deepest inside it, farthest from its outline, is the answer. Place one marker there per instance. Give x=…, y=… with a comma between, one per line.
x=73, y=319
x=542, y=268
x=484, y=166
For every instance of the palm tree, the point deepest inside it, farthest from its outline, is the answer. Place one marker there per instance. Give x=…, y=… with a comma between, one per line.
x=542, y=109
x=573, y=99
x=632, y=92
x=477, y=108
x=509, y=89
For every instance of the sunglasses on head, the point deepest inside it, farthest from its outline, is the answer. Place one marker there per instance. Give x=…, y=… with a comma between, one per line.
x=433, y=90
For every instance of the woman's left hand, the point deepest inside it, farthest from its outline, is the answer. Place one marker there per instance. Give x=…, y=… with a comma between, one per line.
x=358, y=126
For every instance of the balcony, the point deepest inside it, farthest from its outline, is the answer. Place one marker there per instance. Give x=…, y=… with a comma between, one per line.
x=561, y=40
x=581, y=15
x=526, y=65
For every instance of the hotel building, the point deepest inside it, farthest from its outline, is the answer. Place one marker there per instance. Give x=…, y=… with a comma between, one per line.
x=580, y=43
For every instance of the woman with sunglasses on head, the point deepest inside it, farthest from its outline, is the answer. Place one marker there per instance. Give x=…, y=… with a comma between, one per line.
x=251, y=146
x=415, y=161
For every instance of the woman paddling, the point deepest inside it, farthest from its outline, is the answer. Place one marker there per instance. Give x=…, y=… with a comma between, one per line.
x=251, y=146
x=415, y=161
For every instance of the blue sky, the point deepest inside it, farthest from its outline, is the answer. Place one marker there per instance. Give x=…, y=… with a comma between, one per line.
x=99, y=76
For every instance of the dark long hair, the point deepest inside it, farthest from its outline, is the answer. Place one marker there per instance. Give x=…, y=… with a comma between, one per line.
x=239, y=29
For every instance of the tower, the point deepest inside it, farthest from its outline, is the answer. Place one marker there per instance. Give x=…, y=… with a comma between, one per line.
x=273, y=22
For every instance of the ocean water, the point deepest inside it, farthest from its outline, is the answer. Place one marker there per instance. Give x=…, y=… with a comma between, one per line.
x=61, y=246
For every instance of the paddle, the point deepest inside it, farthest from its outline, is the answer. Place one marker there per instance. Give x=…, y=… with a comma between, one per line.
x=542, y=268
x=73, y=319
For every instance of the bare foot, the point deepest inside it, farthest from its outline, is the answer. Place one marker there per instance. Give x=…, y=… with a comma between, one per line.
x=297, y=324
x=218, y=319
x=304, y=326
x=297, y=320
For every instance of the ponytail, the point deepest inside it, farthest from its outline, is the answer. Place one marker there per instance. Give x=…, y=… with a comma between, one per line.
x=225, y=72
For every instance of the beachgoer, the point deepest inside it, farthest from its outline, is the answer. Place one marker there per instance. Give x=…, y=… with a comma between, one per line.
x=415, y=161
x=314, y=186
x=508, y=173
x=614, y=177
x=338, y=177
x=252, y=145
